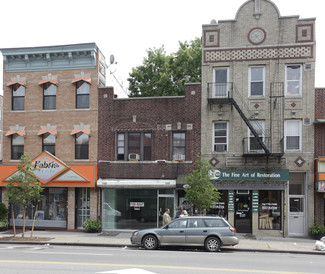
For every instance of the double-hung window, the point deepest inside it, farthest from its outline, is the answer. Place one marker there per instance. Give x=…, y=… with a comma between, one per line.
x=81, y=146
x=48, y=143
x=18, y=97
x=179, y=147
x=293, y=80
x=220, y=137
x=256, y=81
x=292, y=135
x=82, y=94
x=17, y=146
x=134, y=146
x=259, y=127
x=49, y=96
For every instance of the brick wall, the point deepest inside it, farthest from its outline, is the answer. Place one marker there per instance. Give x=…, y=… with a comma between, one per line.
x=159, y=115
x=319, y=149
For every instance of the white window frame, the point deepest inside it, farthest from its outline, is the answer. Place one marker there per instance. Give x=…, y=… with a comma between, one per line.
x=214, y=82
x=250, y=81
x=286, y=134
x=227, y=137
x=257, y=128
x=290, y=80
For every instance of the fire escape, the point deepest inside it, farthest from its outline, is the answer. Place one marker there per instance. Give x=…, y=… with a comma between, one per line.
x=264, y=145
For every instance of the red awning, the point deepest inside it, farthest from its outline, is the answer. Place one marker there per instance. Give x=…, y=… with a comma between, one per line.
x=19, y=132
x=52, y=131
x=22, y=83
x=54, y=82
x=75, y=131
x=75, y=80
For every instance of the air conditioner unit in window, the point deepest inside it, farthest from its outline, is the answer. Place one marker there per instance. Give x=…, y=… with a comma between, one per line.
x=134, y=157
x=179, y=157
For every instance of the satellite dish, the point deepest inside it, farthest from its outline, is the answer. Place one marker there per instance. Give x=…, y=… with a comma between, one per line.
x=112, y=59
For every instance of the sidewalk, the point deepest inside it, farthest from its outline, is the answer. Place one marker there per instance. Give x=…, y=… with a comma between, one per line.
x=122, y=239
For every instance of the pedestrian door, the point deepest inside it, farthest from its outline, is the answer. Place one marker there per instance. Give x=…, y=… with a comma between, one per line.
x=165, y=200
x=82, y=205
x=243, y=211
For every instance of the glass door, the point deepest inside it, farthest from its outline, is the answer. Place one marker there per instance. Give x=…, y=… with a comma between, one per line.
x=82, y=206
x=165, y=201
x=243, y=212
x=220, y=79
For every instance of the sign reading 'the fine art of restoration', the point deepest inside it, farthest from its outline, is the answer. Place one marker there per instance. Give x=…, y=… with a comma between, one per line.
x=250, y=174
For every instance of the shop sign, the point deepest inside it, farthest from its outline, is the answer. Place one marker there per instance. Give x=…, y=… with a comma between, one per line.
x=255, y=202
x=136, y=205
x=218, y=205
x=269, y=206
x=46, y=167
x=249, y=174
x=231, y=206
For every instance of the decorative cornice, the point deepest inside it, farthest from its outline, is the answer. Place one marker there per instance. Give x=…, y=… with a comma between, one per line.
x=50, y=58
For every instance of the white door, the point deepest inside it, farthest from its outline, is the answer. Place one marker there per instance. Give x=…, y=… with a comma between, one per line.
x=296, y=216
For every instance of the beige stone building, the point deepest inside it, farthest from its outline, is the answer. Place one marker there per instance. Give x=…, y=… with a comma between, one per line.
x=51, y=113
x=258, y=74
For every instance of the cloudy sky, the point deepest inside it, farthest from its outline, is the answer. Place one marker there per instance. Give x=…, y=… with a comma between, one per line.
x=127, y=28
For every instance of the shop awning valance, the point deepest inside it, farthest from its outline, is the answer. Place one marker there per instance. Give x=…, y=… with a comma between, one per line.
x=136, y=183
x=75, y=131
x=51, y=131
x=319, y=121
x=54, y=82
x=22, y=83
x=75, y=80
x=19, y=132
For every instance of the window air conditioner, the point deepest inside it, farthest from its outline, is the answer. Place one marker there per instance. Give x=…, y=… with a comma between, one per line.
x=134, y=157
x=179, y=157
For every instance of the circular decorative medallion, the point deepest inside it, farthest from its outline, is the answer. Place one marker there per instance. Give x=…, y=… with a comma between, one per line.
x=256, y=36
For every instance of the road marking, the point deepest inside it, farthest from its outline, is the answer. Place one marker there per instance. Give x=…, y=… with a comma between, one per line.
x=68, y=253
x=159, y=266
x=128, y=271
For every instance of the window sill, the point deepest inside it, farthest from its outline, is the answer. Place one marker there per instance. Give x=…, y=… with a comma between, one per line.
x=256, y=97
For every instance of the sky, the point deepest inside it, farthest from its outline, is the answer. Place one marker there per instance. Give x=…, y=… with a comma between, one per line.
x=128, y=28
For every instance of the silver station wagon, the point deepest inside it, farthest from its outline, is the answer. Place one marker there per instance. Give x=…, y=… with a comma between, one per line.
x=206, y=231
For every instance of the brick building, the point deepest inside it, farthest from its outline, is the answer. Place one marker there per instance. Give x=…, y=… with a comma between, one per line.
x=146, y=147
x=50, y=112
x=1, y=106
x=258, y=74
x=320, y=155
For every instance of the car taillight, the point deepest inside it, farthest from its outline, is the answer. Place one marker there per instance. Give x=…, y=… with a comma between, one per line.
x=232, y=229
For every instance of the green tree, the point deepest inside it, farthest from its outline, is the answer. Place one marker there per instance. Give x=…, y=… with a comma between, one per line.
x=23, y=190
x=200, y=191
x=165, y=75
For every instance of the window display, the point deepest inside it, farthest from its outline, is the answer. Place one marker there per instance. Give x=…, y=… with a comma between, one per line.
x=270, y=209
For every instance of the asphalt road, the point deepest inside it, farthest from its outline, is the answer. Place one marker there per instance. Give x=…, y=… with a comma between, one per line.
x=31, y=259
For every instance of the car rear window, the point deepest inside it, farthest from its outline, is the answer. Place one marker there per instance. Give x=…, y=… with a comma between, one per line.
x=215, y=223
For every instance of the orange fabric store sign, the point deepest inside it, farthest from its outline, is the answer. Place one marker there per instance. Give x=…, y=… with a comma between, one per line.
x=51, y=171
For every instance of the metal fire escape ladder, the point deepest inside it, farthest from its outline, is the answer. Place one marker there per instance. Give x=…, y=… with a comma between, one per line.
x=246, y=120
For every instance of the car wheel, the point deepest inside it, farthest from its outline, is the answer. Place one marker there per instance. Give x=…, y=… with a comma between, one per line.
x=150, y=242
x=212, y=244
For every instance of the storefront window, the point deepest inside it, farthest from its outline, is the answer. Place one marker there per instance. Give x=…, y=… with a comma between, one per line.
x=270, y=210
x=221, y=207
x=52, y=210
x=129, y=208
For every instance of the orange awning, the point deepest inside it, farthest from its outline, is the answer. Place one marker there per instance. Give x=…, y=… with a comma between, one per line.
x=19, y=132
x=54, y=82
x=22, y=83
x=75, y=131
x=75, y=80
x=52, y=131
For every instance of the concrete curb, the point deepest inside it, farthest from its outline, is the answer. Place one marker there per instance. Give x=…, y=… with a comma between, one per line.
x=135, y=246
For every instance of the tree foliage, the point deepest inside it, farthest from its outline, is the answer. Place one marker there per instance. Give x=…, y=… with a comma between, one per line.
x=201, y=191
x=23, y=190
x=165, y=75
